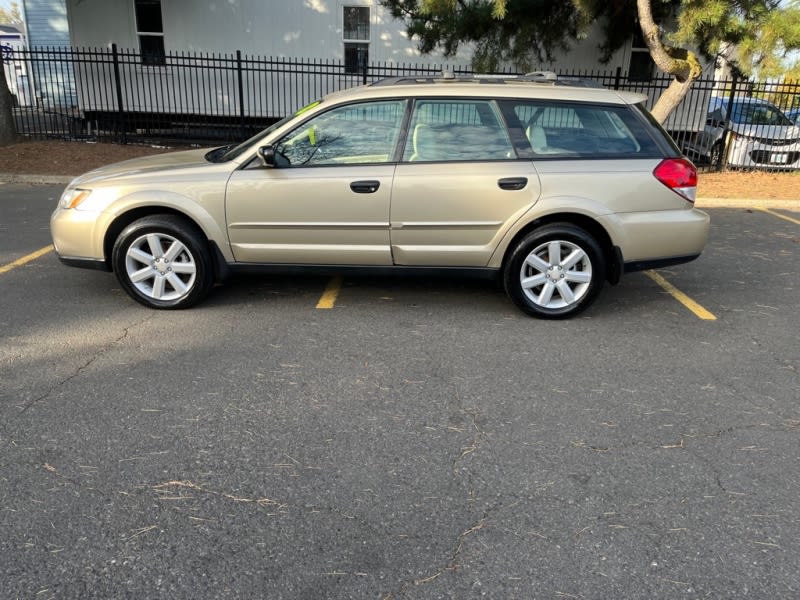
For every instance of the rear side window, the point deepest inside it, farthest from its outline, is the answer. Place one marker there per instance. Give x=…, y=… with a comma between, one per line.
x=457, y=130
x=571, y=130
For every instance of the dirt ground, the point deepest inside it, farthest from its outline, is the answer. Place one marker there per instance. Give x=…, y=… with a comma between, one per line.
x=74, y=158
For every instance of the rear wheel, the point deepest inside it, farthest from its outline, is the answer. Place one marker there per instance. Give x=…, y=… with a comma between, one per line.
x=162, y=261
x=555, y=272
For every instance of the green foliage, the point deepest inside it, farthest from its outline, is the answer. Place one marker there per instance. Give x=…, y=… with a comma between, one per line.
x=759, y=35
x=527, y=33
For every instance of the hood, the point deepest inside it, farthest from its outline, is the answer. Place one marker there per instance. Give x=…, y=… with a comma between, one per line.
x=148, y=165
x=779, y=133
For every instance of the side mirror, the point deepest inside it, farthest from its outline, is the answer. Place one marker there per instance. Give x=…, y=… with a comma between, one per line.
x=267, y=156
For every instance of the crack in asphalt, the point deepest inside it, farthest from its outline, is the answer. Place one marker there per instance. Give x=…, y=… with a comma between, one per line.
x=450, y=566
x=84, y=366
x=478, y=438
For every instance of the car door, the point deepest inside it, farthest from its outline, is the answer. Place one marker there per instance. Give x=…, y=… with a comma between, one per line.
x=326, y=200
x=459, y=186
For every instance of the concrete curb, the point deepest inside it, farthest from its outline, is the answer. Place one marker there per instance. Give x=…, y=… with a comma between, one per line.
x=36, y=179
x=701, y=202
x=747, y=203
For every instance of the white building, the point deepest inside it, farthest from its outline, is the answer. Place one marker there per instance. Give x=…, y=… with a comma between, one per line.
x=349, y=30
x=148, y=34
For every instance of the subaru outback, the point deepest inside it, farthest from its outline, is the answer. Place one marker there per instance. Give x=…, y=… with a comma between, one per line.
x=552, y=188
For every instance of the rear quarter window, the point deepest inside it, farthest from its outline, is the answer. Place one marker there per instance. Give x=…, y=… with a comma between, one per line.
x=577, y=130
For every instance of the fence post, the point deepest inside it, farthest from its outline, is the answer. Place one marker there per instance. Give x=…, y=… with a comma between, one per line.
x=617, y=78
x=118, y=83
x=241, y=92
x=723, y=155
x=366, y=67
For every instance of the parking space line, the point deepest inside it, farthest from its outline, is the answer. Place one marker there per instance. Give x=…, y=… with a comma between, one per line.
x=780, y=216
x=25, y=259
x=699, y=311
x=328, y=298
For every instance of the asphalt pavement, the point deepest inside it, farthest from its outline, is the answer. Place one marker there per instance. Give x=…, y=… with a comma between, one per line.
x=422, y=438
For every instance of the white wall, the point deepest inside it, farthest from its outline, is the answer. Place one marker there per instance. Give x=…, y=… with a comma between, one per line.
x=281, y=28
x=305, y=29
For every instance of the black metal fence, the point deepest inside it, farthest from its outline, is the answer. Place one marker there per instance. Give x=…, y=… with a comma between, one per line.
x=110, y=94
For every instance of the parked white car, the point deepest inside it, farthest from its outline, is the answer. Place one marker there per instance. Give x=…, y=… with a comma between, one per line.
x=758, y=136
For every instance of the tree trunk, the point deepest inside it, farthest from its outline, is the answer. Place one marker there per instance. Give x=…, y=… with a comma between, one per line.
x=8, y=128
x=670, y=99
x=681, y=64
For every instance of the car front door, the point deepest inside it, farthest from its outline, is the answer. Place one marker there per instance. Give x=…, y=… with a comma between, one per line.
x=459, y=186
x=326, y=200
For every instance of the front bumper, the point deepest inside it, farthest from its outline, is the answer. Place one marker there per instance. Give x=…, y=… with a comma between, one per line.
x=748, y=153
x=78, y=235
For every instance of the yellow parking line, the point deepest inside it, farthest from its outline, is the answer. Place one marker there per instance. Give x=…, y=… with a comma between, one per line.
x=699, y=311
x=780, y=216
x=328, y=298
x=25, y=259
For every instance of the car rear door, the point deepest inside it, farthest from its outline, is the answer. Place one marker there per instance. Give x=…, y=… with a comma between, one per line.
x=459, y=186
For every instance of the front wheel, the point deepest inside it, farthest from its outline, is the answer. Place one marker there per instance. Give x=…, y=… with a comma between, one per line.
x=555, y=272
x=162, y=261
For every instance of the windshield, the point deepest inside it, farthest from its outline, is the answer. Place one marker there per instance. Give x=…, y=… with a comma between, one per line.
x=226, y=153
x=758, y=114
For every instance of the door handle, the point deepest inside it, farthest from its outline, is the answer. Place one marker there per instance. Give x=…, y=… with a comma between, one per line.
x=512, y=183
x=365, y=187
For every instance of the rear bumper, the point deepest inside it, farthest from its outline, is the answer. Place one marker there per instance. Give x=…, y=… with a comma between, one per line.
x=658, y=238
x=658, y=263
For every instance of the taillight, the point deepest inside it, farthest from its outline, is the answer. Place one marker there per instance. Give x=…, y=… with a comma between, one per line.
x=679, y=175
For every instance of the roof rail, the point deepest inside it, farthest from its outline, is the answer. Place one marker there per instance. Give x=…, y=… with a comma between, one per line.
x=543, y=77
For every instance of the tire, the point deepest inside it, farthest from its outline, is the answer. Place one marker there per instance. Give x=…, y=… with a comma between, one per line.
x=555, y=272
x=163, y=261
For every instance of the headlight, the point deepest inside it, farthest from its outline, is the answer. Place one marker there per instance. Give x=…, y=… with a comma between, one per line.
x=88, y=200
x=71, y=198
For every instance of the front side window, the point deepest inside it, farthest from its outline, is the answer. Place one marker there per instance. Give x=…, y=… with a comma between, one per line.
x=582, y=131
x=356, y=35
x=361, y=133
x=457, y=130
x=150, y=31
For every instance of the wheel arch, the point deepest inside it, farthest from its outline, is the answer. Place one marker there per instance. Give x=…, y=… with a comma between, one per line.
x=585, y=222
x=124, y=219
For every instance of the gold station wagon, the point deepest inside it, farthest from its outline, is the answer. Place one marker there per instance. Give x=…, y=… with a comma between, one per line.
x=551, y=187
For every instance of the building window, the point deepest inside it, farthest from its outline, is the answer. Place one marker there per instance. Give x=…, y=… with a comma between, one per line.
x=355, y=33
x=641, y=66
x=150, y=31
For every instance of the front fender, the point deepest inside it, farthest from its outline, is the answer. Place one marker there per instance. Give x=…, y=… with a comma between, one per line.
x=207, y=213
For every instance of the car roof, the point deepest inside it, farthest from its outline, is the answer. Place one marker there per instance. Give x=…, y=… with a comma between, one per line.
x=487, y=86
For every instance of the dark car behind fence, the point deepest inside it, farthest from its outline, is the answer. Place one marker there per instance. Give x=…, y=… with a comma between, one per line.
x=112, y=94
